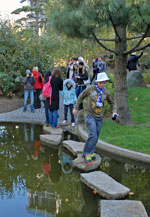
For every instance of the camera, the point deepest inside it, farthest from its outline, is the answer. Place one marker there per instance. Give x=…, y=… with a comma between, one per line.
x=114, y=117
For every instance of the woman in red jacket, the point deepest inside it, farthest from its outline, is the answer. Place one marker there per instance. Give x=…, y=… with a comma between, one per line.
x=38, y=85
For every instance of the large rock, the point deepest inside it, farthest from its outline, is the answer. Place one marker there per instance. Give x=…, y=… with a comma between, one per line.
x=79, y=163
x=104, y=185
x=53, y=131
x=122, y=208
x=135, y=79
x=51, y=139
x=74, y=147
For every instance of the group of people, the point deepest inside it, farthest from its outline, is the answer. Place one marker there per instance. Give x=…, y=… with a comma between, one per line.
x=74, y=91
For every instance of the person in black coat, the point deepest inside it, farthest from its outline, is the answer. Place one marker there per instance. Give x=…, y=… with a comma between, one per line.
x=133, y=61
x=56, y=85
x=46, y=102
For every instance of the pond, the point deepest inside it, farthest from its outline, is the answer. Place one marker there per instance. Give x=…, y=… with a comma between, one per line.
x=33, y=181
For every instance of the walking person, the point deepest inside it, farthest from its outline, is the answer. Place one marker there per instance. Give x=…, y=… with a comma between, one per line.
x=56, y=85
x=38, y=85
x=28, y=82
x=96, y=95
x=69, y=94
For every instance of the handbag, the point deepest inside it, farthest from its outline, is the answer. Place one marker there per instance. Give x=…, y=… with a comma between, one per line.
x=88, y=81
x=42, y=98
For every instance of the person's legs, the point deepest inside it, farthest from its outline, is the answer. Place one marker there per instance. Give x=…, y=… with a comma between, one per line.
x=77, y=91
x=72, y=116
x=98, y=129
x=55, y=118
x=32, y=100
x=90, y=144
x=50, y=117
x=65, y=112
x=98, y=125
x=26, y=94
x=47, y=115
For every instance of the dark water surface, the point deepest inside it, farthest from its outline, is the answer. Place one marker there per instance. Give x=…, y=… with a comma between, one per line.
x=34, y=180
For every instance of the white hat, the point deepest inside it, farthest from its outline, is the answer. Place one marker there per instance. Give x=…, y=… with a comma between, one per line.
x=102, y=76
x=81, y=59
x=134, y=53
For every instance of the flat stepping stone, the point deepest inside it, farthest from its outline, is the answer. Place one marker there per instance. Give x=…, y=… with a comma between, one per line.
x=51, y=139
x=79, y=163
x=122, y=208
x=53, y=131
x=104, y=185
x=74, y=147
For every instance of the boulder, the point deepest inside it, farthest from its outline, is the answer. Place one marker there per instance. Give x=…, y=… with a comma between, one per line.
x=79, y=163
x=135, y=79
x=122, y=208
x=51, y=139
x=53, y=131
x=73, y=146
x=104, y=185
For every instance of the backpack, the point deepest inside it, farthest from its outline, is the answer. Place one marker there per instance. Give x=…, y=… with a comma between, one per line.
x=47, y=89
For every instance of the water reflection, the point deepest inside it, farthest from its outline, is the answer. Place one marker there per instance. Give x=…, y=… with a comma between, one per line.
x=40, y=178
x=39, y=181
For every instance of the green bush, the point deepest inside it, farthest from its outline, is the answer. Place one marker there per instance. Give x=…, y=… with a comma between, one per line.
x=146, y=77
x=9, y=83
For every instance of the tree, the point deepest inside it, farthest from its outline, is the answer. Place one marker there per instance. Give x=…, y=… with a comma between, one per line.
x=35, y=15
x=89, y=18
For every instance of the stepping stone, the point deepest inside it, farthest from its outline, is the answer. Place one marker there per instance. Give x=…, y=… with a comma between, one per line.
x=104, y=185
x=74, y=147
x=53, y=131
x=122, y=208
x=79, y=163
x=51, y=139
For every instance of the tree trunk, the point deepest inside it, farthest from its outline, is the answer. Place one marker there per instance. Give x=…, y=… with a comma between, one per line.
x=120, y=83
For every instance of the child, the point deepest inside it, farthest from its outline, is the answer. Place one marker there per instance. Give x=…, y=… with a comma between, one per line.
x=28, y=82
x=69, y=99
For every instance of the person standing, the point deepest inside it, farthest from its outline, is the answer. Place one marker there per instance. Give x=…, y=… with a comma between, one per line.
x=101, y=65
x=38, y=85
x=69, y=94
x=96, y=95
x=28, y=82
x=46, y=102
x=56, y=85
x=133, y=61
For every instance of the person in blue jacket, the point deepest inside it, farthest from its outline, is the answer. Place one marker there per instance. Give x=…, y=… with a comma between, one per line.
x=69, y=94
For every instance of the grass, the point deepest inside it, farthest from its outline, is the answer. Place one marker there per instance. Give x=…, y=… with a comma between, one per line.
x=137, y=136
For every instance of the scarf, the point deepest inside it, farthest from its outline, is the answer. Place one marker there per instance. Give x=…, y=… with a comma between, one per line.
x=99, y=99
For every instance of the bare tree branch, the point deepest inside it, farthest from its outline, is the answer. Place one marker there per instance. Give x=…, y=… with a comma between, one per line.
x=142, y=48
x=140, y=41
x=110, y=17
x=102, y=45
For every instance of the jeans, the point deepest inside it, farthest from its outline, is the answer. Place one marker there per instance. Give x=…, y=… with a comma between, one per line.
x=47, y=115
x=53, y=118
x=80, y=89
x=70, y=106
x=94, y=126
x=26, y=95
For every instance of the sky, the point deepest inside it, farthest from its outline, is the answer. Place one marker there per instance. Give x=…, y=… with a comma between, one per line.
x=7, y=6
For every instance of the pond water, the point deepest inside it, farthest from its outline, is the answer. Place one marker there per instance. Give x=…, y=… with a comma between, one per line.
x=34, y=181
